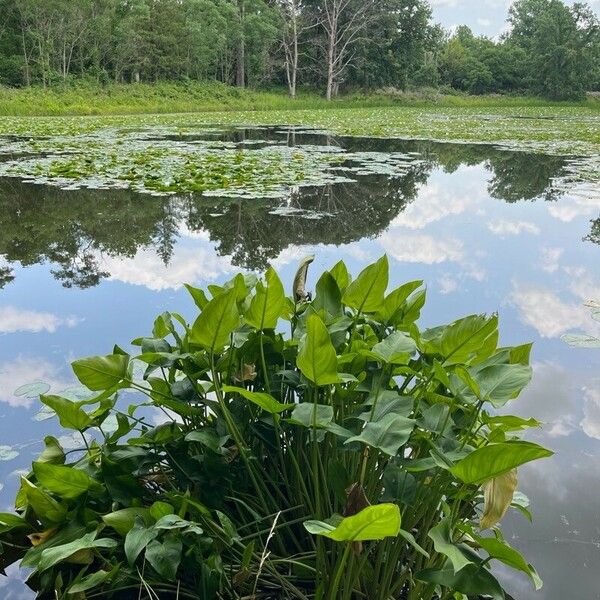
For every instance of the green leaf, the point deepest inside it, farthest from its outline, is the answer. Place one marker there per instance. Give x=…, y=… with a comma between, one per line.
x=442, y=542
x=366, y=292
x=46, y=508
x=372, y=523
x=206, y=437
x=217, y=321
x=8, y=522
x=395, y=302
x=473, y=580
x=88, y=582
x=309, y=415
x=500, y=383
x=261, y=399
x=410, y=538
x=509, y=556
x=317, y=359
x=136, y=540
x=328, y=297
x=463, y=340
x=495, y=459
x=509, y=422
x=198, y=296
x=66, y=482
x=53, y=452
x=70, y=414
x=388, y=434
x=160, y=509
x=340, y=273
x=124, y=519
x=99, y=373
x=165, y=557
x=267, y=304
x=395, y=349
x=52, y=556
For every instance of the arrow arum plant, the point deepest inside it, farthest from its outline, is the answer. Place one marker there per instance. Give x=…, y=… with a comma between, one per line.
x=355, y=457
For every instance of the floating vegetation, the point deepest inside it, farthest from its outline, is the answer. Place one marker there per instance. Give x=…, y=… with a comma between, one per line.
x=31, y=390
x=158, y=162
x=8, y=453
x=166, y=154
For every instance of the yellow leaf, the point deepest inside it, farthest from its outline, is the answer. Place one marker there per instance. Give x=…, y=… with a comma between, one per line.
x=497, y=496
x=39, y=538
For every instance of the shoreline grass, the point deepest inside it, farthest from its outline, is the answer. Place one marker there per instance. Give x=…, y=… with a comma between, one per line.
x=85, y=99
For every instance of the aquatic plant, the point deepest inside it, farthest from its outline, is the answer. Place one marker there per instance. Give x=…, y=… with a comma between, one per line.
x=585, y=340
x=356, y=456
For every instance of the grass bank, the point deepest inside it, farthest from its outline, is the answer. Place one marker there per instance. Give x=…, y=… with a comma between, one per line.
x=118, y=99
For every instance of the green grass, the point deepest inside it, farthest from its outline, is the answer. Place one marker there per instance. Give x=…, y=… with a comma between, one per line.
x=90, y=99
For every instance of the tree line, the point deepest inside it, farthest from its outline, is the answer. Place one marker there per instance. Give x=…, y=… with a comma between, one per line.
x=549, y=48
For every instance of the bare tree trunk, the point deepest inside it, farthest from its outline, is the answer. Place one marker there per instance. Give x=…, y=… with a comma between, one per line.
x=27, y=68
x=240, y=76
x=331, y=59
x=344, y=21
x=294, y=74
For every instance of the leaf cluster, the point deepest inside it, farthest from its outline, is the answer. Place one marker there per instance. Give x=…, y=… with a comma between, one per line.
x=344, y=459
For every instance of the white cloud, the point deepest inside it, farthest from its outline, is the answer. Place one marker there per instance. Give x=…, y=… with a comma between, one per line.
x=583, y=285
x=447, y=285
x=505, y=227
x=188, y=265
x=421, y=248
x=550, y=398
x=434, y=203
x=484, y=22
x=567, y=209
x=551, y=258
x=591, y=411
x=14, y=319
x=22, y=371
x=543, y=310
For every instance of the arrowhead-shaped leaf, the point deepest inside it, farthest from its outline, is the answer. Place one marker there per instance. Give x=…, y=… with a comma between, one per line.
x=495, y=459
x=366, y=292
x=267, y=304
x=372, y=523
x=216, y=322
x=317, y=358
x=99, y=373
x=261, y=399
x=388, y=434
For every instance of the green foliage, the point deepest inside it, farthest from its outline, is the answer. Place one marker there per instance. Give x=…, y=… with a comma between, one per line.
x=285, y=465
x=552, y=49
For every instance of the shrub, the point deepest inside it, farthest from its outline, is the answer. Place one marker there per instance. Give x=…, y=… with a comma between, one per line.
x=356, y=457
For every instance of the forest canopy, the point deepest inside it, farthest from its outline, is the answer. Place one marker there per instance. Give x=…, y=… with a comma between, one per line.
x=549, y=48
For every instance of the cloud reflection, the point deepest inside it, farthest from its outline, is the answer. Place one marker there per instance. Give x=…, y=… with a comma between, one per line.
x=24, y=370
x=13, y=319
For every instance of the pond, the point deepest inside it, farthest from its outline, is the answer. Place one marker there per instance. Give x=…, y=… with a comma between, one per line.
x=488, y=229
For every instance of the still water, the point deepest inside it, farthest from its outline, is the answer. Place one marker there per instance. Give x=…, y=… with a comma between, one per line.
x=487, y=229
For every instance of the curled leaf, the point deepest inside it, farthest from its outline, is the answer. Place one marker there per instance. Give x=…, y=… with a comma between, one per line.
x=300, y=294
x=247, y=373
x=40, y=537
x=498, y=495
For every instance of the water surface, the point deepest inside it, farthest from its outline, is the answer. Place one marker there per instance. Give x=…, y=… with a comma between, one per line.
x=487, y=229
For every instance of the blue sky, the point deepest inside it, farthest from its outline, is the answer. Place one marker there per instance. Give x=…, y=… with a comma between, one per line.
x=485, y=17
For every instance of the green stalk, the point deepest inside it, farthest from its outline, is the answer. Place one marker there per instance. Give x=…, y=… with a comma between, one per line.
x=338, y=572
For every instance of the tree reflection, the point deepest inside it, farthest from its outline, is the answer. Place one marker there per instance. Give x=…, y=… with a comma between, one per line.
x=594, y=235
x=73, y=230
